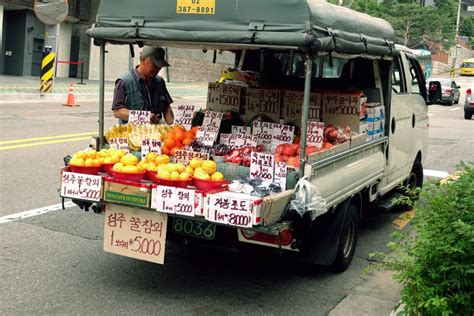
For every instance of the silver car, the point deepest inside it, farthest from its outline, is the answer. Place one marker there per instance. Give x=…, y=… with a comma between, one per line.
x=469, y=103
x=450, y=92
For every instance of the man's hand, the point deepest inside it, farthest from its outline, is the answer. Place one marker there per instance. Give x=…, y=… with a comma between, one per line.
x=155, y=118
x=121, y=113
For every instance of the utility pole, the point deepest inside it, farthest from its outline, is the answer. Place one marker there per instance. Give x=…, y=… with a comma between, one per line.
x=458, y=18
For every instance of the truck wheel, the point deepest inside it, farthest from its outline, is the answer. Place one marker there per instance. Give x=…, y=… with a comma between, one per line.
x=415, y=180
x=467, y=115
x=348, y=240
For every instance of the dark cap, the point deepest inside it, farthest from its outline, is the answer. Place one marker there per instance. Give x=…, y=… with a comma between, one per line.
x=156, y=54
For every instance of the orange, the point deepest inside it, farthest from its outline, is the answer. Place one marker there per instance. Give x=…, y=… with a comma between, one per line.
x=178, y=128
x=187, y=141
x=169, y=142
x=179, y=135
x=189, y=134
x=178, y=144
x=173, y=151
x=165, y=150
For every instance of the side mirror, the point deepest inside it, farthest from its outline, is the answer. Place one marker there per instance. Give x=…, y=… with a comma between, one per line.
x=459, y=87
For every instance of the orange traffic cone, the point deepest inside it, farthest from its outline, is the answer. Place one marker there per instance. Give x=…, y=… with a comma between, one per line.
x=71, y=100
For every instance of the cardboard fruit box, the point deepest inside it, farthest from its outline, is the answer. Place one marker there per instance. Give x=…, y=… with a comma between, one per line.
x=127, y=192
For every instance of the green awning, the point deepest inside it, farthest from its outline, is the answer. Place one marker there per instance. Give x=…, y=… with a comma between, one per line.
x=301, y=24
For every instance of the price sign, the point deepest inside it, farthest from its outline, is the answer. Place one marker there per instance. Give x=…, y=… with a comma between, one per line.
x=173, y=200
x=241, y=129
x=183, y=115
x=185, y=156
x=229, y=211
x=223, y=97
x=315, y=134
x=206, y=137
x=81, y=186
x=237, y=140
x=163, y=199
x=150, y=146
x=139, y=117
x=281, y=134
x=135, y=233
x=262, y=166
x=259, y=101
x=224, y=139
x=281, y=170
x=119, y=143
x=212, y=121
x=184, y=202
x=263, y=133
x=343, y=109
x=292, y=105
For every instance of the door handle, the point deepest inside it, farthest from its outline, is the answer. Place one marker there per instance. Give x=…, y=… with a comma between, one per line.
x=393, y=125
x=413, y=120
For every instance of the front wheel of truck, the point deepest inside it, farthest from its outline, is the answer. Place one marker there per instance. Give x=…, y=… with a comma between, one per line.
x=348, y=240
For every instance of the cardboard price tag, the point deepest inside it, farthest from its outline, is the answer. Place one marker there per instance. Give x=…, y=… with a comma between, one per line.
x=119, y=143
x=185, y=156
x=292, y=105
x=139, y=117
x=173, y=200
x=282, y=134
x=81, y=186
x=135, y=233
x=150, y=146
x=241, y=129
x=343, y=109
x=262, y=166
x=225, y=139
x=281, y=171
x=237, y=140
x=206, y=137
x=263, y=133
x=315, y=134
x=212, y=121
x=229, y=211
x=260, y=101
x=183, y=115
x=223, y=97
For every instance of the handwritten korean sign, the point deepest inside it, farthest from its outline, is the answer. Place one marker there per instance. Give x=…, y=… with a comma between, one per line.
x=281, y=134
x=139, y=117
x=281, y=171
x=150, y=146
x=342, y=109
x=174, y=200
x=262, y=101
x=229, y=211
x=262, y=166
x=81, y=186
x=315, y=134
x=185, y=156
x=263, y=133
x=135, y=233
x=206, y=137
x=223, y=97
x=183, y=115
x=241, y=129
x=224, y=138
x=292, y=106
x=212, y=121
x=119, y=143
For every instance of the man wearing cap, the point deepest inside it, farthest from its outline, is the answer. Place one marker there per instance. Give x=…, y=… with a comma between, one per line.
x=142, y=89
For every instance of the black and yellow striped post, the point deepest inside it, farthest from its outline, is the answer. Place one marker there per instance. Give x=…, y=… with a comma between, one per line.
x=47, y=71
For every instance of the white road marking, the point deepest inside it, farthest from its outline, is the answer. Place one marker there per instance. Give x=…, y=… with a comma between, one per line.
x=435, y=173
x=430, y=114
x=455, y=109
x=35, y=212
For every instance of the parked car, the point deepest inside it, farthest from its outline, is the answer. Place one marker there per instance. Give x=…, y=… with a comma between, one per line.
x=450, y=92
x=469, y=103
x=467, y=67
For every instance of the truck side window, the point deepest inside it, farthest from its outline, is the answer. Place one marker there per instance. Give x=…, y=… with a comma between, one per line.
x=398, y=85
x=417, y=78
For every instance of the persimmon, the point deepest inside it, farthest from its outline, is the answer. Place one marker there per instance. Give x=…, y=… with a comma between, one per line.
x=179, y=135
x=173, y=151
x=169, y=142
x=187, y=141
x=189, y=134
x=165, y=150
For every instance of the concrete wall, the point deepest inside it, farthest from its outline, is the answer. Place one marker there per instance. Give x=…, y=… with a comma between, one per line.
x=116, y=61
x=64, y=49
x=34, y=29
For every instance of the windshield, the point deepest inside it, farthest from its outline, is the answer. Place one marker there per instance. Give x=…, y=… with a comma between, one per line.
x=467, y=65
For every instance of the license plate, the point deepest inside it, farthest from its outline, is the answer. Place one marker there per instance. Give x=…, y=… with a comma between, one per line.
x=192, y=228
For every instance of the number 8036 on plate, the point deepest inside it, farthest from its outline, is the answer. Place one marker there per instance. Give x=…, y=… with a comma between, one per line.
x=192, y=228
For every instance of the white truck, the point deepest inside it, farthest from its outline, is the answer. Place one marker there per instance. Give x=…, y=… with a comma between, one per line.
x=339, y=50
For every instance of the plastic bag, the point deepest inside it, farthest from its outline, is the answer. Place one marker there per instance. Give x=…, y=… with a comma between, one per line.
x=308, y=199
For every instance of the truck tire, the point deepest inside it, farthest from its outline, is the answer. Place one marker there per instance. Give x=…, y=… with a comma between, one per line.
x=415, y=180
x=348, y=240
x=467, y=115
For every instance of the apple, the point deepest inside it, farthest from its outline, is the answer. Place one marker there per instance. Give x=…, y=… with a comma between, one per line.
x=289, y=151
x=332, y=135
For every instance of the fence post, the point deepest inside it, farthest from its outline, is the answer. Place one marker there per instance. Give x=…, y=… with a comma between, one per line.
x=82, y=72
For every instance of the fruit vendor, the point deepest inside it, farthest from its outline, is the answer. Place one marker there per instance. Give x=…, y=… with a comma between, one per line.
x=142, y=89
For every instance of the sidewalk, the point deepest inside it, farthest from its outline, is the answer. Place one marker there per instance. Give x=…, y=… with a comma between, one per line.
x=15, y=89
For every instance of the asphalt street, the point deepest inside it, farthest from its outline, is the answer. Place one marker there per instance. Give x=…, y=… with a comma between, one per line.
x=54, y=263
